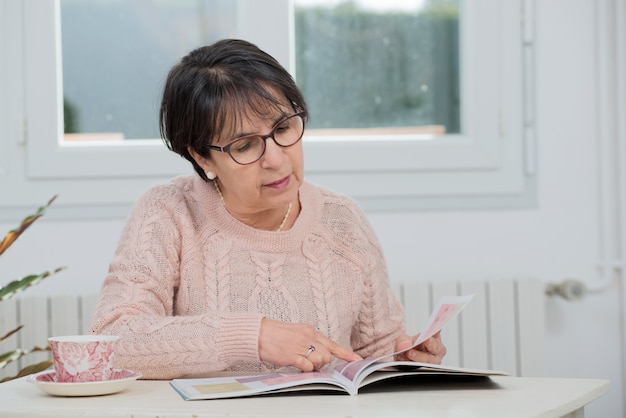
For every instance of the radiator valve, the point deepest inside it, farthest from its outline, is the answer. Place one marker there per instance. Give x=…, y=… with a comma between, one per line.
x=568, y=289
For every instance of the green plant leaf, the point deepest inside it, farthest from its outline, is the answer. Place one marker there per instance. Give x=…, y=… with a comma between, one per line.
x=33, y=368
x=10, y=356
x=18, y=285
x=18, y=353
x=12, y=235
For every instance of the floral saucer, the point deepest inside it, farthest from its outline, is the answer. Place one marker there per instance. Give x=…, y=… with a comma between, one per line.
x=46, y=381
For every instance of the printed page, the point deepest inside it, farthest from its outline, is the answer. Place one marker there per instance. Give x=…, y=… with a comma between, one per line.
x=340, y=374
x=237, y=386
x=392, y=370
x=446, y=310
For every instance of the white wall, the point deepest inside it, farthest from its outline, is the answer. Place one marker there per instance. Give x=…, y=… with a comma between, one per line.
x=559, y=238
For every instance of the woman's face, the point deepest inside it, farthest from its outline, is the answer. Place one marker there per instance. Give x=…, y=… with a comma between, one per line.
x=257, y=192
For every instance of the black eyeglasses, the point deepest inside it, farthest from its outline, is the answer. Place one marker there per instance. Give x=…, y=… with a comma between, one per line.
x=250, y=148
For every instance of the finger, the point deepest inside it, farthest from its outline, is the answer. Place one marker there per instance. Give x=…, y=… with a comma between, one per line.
x=431, y=347
x=403, y=342
x=434, y=345
x=303, y=364
x=316, y=358
x=337, y=350
x=423, y=357
x=319, y=358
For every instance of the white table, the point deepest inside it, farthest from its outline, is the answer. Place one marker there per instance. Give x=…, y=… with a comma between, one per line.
x=428, y=397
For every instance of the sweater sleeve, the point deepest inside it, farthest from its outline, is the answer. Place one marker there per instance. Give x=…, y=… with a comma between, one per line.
x=137, y=301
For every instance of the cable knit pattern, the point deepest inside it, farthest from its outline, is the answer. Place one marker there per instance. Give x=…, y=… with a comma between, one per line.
x=322, y=284
x=189, y=284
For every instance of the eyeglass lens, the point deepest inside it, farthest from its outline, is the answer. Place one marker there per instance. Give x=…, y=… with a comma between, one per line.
x=249, y=149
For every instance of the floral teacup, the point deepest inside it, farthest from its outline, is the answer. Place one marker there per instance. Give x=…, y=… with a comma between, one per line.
x=83, y=358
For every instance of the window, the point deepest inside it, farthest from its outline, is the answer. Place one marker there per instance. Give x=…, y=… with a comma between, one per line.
x=431, y=94
x=374, y=68
x=115, y=55
x=446, y=130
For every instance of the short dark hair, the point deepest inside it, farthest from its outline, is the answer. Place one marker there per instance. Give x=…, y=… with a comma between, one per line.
x=218, y=84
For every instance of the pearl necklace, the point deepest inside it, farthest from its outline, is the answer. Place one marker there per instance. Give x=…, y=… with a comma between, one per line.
x=280, y=227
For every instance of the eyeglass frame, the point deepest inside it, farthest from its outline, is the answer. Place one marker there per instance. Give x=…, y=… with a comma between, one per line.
x=226, y=148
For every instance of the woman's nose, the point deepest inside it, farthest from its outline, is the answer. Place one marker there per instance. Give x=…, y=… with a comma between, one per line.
x=273, y=155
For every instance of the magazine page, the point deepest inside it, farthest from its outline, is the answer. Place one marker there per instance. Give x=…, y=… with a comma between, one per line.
x=383, y=371
x=387, y=370
x=340, y=375
x=445, y=311
x=238, y=386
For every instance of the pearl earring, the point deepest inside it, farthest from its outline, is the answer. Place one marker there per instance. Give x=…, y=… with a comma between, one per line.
x=210, y=175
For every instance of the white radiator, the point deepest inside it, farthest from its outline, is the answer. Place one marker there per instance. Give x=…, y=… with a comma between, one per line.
x=42, y=317
x=501, y=328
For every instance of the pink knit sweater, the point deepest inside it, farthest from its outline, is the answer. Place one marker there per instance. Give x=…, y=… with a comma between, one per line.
x=189, y=284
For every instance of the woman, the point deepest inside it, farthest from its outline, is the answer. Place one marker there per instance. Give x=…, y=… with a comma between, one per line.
x=245, y=267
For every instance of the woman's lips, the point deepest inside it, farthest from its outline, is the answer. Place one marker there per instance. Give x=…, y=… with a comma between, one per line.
x=280, y=184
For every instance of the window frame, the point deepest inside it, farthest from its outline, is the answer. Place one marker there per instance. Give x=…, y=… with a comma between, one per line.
x=489, y=162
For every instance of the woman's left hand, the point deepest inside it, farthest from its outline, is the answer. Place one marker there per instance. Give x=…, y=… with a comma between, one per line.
x=430, y=351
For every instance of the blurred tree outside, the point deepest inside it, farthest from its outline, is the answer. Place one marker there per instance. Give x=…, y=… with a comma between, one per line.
x=360, y=68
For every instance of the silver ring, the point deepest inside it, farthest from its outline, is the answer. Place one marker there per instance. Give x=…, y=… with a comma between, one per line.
x=310, y=350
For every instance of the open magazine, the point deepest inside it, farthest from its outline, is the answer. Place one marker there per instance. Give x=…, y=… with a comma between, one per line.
x=342, y=376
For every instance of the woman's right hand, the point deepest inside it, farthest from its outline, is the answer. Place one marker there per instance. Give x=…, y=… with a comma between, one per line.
x=287, y=344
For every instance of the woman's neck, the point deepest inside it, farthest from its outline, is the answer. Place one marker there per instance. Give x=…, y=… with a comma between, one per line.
x=264, y=220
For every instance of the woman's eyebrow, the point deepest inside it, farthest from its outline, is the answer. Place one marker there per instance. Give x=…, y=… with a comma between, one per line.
x=279, y=117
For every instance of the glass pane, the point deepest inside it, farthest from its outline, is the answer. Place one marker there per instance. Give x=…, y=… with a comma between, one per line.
x=116, y=55
x=391, y=65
